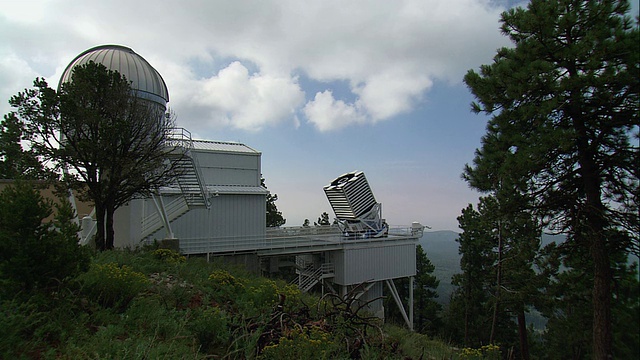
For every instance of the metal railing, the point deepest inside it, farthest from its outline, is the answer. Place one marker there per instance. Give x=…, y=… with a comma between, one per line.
x=179, y=137
x=284, y=241
x=308, y=278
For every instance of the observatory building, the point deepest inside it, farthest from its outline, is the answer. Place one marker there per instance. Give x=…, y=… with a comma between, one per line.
x=216, y=207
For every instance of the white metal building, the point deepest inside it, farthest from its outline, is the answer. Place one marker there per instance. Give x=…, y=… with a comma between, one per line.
x=217, y=207
x=229, y=206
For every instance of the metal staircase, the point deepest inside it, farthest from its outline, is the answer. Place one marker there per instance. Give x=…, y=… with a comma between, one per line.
x=189, y=181
x=188, y=178
x=187, y=169
x=153, y=222
x=308, y=276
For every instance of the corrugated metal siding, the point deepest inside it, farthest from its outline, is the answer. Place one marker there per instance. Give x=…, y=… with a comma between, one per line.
x=229, y=168
x=355, y=266
x=229, y=216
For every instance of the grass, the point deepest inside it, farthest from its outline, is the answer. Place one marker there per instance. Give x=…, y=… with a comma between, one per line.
x=154, y=305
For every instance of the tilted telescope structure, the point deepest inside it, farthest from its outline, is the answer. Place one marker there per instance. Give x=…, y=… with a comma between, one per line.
x=356, y=209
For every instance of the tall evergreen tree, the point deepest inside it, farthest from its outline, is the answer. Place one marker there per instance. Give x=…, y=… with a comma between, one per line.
x=565, y=105
x=567, y=303
x=36, y=252
x=15, y=161
x=274, y=217
x=499, y=284
x=113, y=143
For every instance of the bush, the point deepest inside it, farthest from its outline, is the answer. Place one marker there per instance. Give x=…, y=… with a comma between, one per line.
x=112, y=285
x=300, y=344
x=169, y=256
x=35, y=253
x=210, y=327
x=485, y=352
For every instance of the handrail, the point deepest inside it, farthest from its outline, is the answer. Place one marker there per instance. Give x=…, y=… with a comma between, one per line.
x=281, y=241
x=309, y=278
x=180, y=137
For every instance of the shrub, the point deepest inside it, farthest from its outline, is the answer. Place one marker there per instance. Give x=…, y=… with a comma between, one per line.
x=35, y=253
x=222, y=278
x=485, y=352
x=169, y=256
x=300, y=344
x=210, y=327
x=112, y=285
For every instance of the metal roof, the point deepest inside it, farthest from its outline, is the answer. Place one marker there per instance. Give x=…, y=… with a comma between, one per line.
x=144, y=78
x=221, y=146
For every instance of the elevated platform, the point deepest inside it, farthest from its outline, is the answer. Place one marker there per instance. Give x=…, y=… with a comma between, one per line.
x=292, y=241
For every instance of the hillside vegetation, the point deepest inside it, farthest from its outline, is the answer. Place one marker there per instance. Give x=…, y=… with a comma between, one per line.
x=155, y=304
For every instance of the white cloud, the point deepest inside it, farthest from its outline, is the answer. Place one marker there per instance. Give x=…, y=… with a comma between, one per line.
x=390, y=52
x=387, y=94
x=15, y=75
x=327, y=113
x=244, y=101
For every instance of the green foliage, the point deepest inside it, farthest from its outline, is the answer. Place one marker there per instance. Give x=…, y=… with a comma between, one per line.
x=499, y=283
x=95, y=125
x=123, y=308
x=274, y=217
x=564, y=104
x=35, y=252
x=16, y=162
x=484, y=352
x=169, y=256
x=568, y=304
x=210, y=325
x=111, y=285
x=298, y=344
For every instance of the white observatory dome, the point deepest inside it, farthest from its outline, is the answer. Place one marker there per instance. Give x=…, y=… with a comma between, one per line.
x=145, y=80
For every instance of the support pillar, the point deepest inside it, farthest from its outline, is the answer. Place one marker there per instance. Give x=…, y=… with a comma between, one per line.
x=394, y=292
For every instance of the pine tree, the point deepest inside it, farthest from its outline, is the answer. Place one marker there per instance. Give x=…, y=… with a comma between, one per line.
x=564, y=103
x=15, y=161
x=499, y=284
x=274, y=217
x=112, y=142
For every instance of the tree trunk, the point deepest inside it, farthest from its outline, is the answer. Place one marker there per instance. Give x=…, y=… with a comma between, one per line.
x=100, y=226
x=592, y=228
x=522, y=331
x=496, y=308
x=467, y=301
x=109, y=242
x=602, y=329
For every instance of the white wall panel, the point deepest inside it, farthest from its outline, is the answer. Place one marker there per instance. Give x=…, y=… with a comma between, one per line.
x=355, y=266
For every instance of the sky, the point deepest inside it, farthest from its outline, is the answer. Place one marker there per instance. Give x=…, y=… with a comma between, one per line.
x=319, y=87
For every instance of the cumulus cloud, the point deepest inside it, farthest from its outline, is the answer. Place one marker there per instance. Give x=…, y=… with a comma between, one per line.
x=327, y=113
x=390, y=52
x=244, y=101
x=15, y=75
